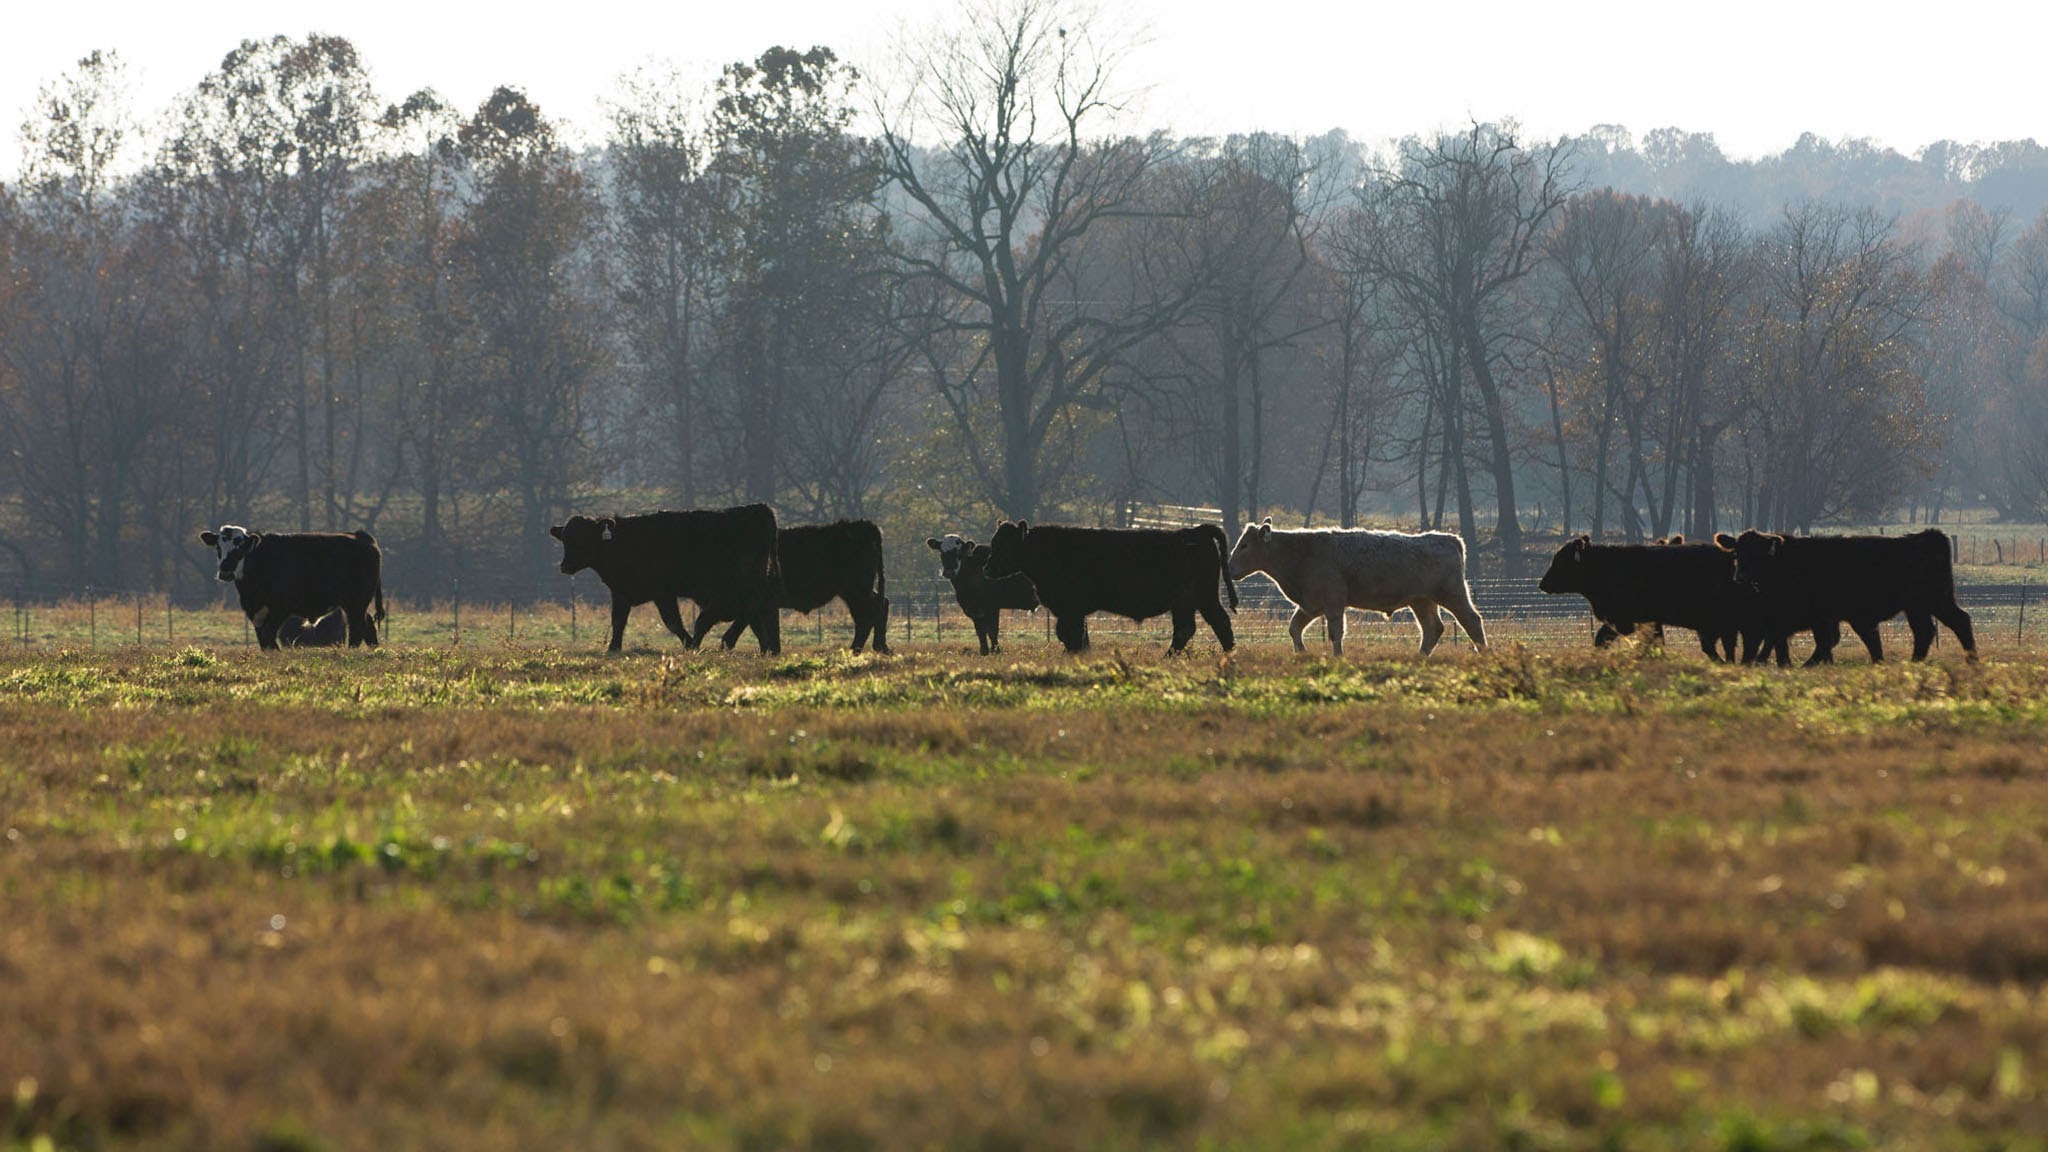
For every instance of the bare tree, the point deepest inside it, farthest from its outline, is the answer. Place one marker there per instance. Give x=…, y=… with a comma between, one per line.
x=1002, y=208
x=1461, y=220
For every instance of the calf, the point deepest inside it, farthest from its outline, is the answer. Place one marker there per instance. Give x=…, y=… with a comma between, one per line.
x=1818, y=581
x=1133, y=572
x=822, y=563
x=724, y=559
x=1671, y=584
x=326, y=632
x=1324, y=572
x=965, y=564
x=282, y=574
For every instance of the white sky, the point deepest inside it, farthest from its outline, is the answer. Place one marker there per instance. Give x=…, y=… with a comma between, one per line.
x=1755, y=73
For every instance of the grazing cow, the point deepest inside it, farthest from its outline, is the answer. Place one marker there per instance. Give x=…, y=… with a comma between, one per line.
x=282, y=574
x=822, y=563
x=327, y=632
x=1818, y=581
x=1134, y=572
x=1324, y=572
x=724, y=559
x=1669, y=583
x=965, y=564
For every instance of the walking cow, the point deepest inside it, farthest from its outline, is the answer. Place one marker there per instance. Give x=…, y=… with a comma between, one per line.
x=964, y=563
x=821, y=563
x=724, y=559
x=1669, y=583
x=1133, y=572
x=282, y=574
x=1324, y=572
x=1817, y=581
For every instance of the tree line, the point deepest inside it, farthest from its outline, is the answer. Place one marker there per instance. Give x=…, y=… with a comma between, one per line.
x=966, y=294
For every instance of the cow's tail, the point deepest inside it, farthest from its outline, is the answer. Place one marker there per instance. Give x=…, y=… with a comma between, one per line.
x=1215, y=533
x=881, y=574
x=376, y=580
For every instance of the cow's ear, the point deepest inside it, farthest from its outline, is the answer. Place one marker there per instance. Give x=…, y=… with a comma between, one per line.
x=1266, y=529
x=932, y=542
x=210, y=538
x=556, y=531
x=1724, y=542
x=1023, y=527
x=1266, y=523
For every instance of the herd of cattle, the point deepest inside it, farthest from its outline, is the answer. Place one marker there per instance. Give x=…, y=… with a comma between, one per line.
x=1749, y=593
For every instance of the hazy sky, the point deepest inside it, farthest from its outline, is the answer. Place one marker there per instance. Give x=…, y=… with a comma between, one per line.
x=1755, y=74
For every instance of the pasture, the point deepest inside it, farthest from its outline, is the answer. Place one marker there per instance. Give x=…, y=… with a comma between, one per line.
x=527, y=896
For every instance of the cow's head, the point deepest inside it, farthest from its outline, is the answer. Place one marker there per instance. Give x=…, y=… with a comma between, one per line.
x=1249, y=554
x=1006, y=550
x=585, y=541
x=957, y=554
x=1568, y=568
x=1756, y=554
x=232, y=544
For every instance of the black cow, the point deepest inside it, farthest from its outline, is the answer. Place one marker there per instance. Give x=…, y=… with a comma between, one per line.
x=724, y=559
x=282, y=574
x=1134, y=572
x=822, y=563
x=1818, y=581
x=1667, y=583
x=964, y=563
x=327, y=632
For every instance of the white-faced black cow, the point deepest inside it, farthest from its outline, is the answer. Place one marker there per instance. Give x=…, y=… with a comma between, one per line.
x=724, y=559
x=282, y=574
x=1133, y=572
x=1324, y=572
x=1667, y=583
x=965, y=564
x=329, y=631
x=1819, y=581
x=822, y=563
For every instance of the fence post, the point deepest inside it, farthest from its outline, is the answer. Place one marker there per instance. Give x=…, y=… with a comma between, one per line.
x=458, y=611
x=138, y=619
x=170, y=622
x=572, y=616
x=2021, y=634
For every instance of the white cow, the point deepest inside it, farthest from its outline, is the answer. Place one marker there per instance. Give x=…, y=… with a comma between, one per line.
x=1324, y=572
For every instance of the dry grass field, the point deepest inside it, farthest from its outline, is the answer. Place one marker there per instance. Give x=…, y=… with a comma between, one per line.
x=536, y=898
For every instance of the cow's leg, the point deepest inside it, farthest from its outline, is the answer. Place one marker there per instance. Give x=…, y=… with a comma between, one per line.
x=1432, y=624
x=705, y=623
x=620, y=611
x=767, y=630
x=672, y=617
x=1219, y=623
x=361, y=629
x=1826, y=635
x=882, y=624
x=1333, y=624
x=990, y=632
x=1958, y=621
x=1709, y=643
x=1866, y=630
x=1467, y=616
x=266, y=631
x=369, y=627
x=1609, y=630
x=1072, y=631
x=1183, y=629
x=733, y=632
x=1297, y=625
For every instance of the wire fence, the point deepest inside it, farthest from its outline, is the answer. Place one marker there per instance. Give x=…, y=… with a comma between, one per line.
x=47, y=617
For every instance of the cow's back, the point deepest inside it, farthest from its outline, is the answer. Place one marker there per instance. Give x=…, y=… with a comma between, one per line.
x=824, y=561
x=719, y=556
x=1383, y=571
x=307, y=573
x=1134, y=572
x=1863, y=578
